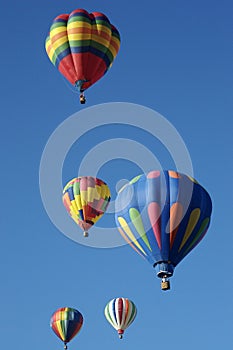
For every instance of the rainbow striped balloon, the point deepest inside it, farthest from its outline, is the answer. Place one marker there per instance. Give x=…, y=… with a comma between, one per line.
x=163, y=215
x=86, y=199
x=82, y=46
x=66, y=322
x=120, y=313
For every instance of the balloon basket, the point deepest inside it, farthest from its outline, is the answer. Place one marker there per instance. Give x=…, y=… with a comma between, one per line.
x=165, y=285
x=82, y=99
x=120, y=333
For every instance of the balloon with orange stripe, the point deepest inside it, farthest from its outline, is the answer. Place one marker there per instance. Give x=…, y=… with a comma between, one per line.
x=120, y=313
x=163, y=215
x=82, y=46
x=66, y=322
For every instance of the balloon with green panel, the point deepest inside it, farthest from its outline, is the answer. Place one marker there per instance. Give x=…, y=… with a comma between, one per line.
x=163, y=215
x=120, y=313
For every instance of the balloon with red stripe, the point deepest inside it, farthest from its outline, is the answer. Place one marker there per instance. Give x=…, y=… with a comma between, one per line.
x=66, y=322
x=82, y=46
x=120, y=313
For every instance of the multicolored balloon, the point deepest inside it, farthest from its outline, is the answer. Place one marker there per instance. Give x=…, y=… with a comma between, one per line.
x=83, y=47
x=86, y=199
x=163, y=216
x=66, y=322
x=120, y=313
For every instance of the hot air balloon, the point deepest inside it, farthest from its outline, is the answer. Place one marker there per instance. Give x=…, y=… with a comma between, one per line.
x=66, y=322
x=83, y=47
x=86, y=199
x=120, y=313
x=163, y=215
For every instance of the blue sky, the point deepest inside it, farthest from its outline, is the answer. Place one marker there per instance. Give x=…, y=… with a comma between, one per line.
x=175, y=58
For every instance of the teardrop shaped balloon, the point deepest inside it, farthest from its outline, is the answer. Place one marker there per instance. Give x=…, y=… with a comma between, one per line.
x=66, y=322
x=120, y=313
x=83, y=47
x=163, y=215
x=86, y=199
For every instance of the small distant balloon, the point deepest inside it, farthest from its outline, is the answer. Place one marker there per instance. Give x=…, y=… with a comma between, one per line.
x=120, y=313
x=66, y=322
x=86, y=199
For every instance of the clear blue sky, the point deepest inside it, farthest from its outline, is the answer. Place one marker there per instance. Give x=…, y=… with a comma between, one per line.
x=176, y=57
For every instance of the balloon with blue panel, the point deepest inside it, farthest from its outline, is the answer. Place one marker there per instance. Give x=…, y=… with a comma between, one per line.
x=163, y=215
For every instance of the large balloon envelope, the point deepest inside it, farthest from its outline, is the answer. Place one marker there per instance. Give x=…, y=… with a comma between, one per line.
x=163, y=215
x=66, y=322
x=86, y=199
x=83, y=47
x=120, y=313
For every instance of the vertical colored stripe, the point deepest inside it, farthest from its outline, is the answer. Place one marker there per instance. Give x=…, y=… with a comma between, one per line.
x=193, y=219
x=176, y=214
x=200, y=233
x=154, y=212
x=138, y=224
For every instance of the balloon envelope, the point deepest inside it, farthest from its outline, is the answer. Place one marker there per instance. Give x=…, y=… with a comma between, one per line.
x=66, y=322
x=120, y=313
x=163, y=216
x=82, y=46
x=86, y=199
